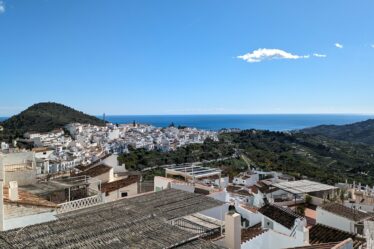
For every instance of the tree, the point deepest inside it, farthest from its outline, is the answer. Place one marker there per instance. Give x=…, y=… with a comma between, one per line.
x=300, y=210
x=308, y=199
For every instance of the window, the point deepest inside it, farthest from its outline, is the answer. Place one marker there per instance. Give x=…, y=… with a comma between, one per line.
x=268, y=224
x=123, y=194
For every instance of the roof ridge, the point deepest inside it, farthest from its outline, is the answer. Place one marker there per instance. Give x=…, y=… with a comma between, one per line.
x=287, y=210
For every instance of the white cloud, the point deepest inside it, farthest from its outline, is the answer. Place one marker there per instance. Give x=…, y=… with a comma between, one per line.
x=2, y=7
x=262, y=54
x=338, y=45
x=319, y=55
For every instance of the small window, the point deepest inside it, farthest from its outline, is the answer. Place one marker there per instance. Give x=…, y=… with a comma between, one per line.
x=123, y=194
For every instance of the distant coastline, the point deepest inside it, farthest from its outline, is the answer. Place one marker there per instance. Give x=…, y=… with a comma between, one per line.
x=273, y=122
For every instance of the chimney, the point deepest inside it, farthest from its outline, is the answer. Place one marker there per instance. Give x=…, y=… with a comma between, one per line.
x=13, y=191
x=232, y=229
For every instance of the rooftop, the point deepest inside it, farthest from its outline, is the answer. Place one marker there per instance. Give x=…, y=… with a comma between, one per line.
x=112, y=186
x=27, y=198
x=330, y=245
x=192, y=171
x=346, y=212
x=54, y=185
x=303, y=186
x=251, y=232
x=138, y=222
x=95, y=171
x=283, y=216
x=319, y=234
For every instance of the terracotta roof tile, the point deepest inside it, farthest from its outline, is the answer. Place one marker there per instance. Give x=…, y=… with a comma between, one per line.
x=323, y=234
x=319, y=246
x=95, y=171
x=232, y=188
x=283, y=216
x=27, y=198
x=346, y=212
x=112, y=186
x=250, y=233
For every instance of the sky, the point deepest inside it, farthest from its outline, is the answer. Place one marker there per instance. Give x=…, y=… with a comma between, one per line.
x=188, y=56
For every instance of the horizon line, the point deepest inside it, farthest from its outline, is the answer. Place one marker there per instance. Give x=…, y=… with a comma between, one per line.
x=219, y=114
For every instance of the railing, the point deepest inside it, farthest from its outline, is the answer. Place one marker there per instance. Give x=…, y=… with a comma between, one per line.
x=195, y=228
x=189, y=226
x=293, y=232
x=18, y=167
x=79, y=204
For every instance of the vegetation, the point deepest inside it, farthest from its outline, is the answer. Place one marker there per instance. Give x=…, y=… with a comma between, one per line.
x=298, y=154
x=300, y=209
x=308, y=199
x=141, y=158
x=326, y=153
x=43, y=117
x=360, y=132
x=230, y=167
x=150, y=174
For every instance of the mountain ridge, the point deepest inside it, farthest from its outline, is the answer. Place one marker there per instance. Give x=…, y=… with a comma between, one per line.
x=44, y=117
x=358, y=132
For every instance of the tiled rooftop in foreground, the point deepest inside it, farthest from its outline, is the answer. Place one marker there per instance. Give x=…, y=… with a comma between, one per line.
x=138, y=222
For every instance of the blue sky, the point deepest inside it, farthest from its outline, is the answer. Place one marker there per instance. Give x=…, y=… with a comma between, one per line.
x=188, y=56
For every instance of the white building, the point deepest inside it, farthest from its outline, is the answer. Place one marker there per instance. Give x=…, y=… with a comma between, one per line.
x=121, y=188
x=246, y=179
x=341, y=217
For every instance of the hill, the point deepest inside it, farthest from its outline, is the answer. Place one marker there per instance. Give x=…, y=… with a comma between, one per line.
x=298, y=154
x=360, y=132
x=43, y=117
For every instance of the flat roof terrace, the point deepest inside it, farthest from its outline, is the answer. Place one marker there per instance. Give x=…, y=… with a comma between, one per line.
x=303, y=187
x=192, y=171
x=140, y=222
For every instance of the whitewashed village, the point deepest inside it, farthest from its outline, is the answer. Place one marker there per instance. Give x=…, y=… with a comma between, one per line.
x=69, y=191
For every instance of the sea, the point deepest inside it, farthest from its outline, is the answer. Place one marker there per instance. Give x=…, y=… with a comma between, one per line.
x=273, y=122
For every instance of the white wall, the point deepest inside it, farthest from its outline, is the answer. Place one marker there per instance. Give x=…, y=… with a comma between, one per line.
x=218, y=212
x=22, y=177
x=161, y=183
x=253, y=218
x=23, y=221
x=332, y=220
x=115, y=195
x=316, y=201
x=273, y=240
x=276, y=226
x=224, y=181
x=258, y=200
x=369, y=233
x=182, y=186
x=366, y=208
x=112, y=161
x=43, y=154
x=106, y=177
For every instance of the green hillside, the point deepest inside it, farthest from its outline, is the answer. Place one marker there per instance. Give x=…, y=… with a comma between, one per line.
x=360, y=132
x=297, y=154
x=43, y=117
